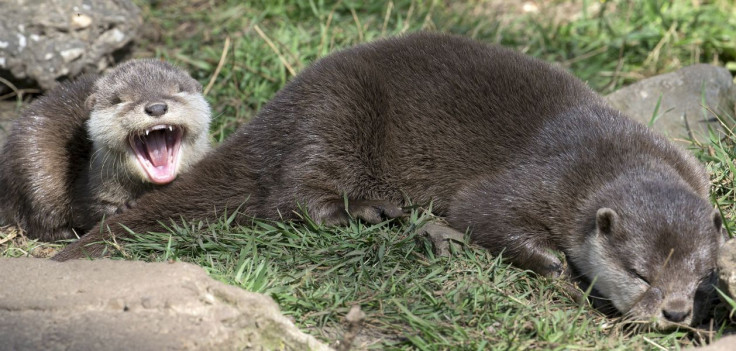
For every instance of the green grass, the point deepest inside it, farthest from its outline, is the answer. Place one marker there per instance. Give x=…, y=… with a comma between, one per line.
x=413, y=300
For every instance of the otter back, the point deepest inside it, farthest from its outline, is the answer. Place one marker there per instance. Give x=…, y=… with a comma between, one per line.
x=46, y=151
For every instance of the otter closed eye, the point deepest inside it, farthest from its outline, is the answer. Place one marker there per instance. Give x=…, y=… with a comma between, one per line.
x=636, y=274
x=709, y=278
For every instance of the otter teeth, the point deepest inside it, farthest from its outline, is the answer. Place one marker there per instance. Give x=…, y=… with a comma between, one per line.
x=159, y=127
x=157, y=150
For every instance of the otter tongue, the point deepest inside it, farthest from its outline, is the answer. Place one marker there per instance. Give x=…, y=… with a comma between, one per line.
x=157, y=149
x=158, y=152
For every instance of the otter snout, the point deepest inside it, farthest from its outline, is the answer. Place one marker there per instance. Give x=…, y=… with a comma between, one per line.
x=676, y=311
x=156, y=109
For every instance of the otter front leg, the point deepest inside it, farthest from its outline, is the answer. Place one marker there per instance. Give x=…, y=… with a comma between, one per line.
x=507, y=221
x=537, y=257
x=334, y=212
x=518, y=245
x=542, y=262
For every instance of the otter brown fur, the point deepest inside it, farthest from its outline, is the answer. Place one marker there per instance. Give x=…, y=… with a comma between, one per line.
x=519, y=151
x=69, y=159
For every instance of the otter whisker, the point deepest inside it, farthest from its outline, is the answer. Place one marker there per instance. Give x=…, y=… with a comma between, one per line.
x=94, y=156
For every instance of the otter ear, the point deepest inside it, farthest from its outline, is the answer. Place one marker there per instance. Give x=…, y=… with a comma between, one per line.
x=605, y=219
x=717, y=220
x=718, y=224
x=90, y=102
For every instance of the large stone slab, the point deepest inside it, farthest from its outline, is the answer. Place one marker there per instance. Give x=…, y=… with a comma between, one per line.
x=726, y=343
x=681, y=94
x=9, y=111
x=727, y=268
x=122, y=305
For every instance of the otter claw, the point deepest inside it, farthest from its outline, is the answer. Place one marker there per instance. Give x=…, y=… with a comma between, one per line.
x=126, y=206
x=442, y=237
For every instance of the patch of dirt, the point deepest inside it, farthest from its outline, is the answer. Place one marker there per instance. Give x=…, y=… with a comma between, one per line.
x=8, y=112
x=13, y=243
x=368, y=338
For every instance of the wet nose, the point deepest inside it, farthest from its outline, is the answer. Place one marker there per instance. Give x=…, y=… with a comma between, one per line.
x=156, y=109
x=674, y=315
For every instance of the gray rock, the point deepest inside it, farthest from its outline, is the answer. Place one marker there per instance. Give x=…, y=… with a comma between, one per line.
x=45, y=40
x=726, y=343
x=681, y=95
x=8, y=113
x=727, y=268
x=122, y=305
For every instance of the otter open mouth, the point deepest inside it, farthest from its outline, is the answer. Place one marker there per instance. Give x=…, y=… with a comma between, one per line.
x=157, y=150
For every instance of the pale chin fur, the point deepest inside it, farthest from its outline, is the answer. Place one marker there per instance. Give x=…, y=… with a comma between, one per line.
x=610, y=280
x=196, y=142
x=109, y=133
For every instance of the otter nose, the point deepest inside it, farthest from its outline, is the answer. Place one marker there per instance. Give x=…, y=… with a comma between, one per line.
x=674, y=315
x=156, y=109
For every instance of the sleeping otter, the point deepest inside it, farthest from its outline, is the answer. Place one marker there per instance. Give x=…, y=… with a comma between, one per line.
x=519, y=151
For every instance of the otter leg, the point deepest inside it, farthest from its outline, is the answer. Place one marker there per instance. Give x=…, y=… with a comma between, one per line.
x=51, y=234
x=509, y=221
x=126, y=206
x=371, y=211
x=517, y=245
x=537, y=257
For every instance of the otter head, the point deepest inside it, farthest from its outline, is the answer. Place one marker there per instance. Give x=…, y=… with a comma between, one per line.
x=652, y=251
x=149, y=119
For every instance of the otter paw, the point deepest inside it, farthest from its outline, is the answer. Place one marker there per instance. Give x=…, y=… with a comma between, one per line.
x=442, y=237
x=369, y=211
x=547, y=265
x=374, y=211
x=573, y=291
x=126, y=206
